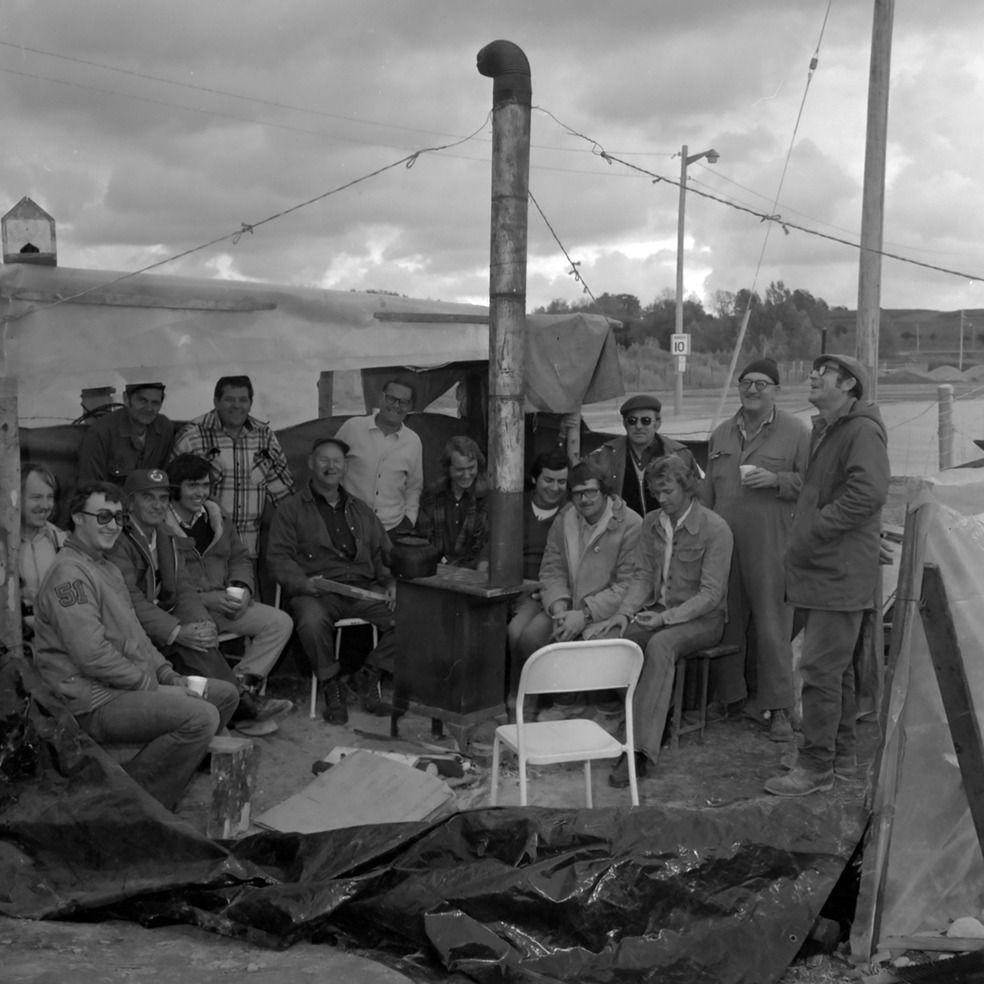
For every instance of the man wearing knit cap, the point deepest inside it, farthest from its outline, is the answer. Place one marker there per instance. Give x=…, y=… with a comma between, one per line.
x=754, y=474
x=137, y=436
x=624, y=459
x=832, y=566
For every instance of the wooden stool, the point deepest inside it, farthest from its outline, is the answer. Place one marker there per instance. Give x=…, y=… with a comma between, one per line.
x=704, y=656
x=233, y=768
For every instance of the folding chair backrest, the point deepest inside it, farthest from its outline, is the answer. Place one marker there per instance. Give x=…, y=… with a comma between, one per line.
x=596, y=664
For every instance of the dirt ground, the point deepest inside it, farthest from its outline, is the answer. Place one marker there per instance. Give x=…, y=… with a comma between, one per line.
x=729, y=766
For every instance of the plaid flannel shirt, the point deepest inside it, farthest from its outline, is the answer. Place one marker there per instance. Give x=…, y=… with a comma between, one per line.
x=245, y=469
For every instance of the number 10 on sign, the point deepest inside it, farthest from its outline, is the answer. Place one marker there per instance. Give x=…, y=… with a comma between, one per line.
x=680, y=344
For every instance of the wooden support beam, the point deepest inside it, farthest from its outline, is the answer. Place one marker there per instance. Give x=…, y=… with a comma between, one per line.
x=326, y=393
x=101, y=298
x=958, y=702
x=435, y=319
x=10, y=507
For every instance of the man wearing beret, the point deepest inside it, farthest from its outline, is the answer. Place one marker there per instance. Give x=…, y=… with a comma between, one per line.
x=624, y=459
x=755, y=468
x=832, y=566
x=137, y=436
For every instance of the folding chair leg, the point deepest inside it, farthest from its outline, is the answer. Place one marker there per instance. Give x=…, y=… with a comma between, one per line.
x=494, y=791
x=314, y=696
x=680, y=676
x=522, y=781
x=633, y=783
x=587, y=782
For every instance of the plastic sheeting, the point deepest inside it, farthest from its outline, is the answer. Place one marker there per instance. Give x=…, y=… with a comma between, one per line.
x=516, y=894
x=923, y=866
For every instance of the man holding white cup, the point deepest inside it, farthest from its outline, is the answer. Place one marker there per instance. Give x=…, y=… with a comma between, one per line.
x=755, y=467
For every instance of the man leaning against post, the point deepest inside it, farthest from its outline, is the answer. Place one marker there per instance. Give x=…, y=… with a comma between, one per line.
x=624, y=459
x=93, y=651
x=755, y=466
x=137, y=436
x=832, y=566
x=676, y=602
x=321, y=533
x=386, y=459
x=248, y=465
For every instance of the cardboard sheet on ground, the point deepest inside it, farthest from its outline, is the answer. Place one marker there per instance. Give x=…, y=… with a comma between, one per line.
x=361, y=789
x=923, y=865
x=608, y=895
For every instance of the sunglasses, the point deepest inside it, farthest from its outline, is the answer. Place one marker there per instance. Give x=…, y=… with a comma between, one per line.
x=746, y=384
x=645, y=421
x=825, y=368
x=106, y=516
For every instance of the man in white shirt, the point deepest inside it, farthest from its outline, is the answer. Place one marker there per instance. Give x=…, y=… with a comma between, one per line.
x=385, y=466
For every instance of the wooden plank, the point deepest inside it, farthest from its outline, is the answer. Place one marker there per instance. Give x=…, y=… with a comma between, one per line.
x=413, y=318
x=944, y=650
x=349, y=590
x=10, y=506
x=942, y=944
x=140, y=300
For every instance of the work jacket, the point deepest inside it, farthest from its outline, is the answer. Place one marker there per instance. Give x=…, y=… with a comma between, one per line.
x=832, y=558
x=224, y=561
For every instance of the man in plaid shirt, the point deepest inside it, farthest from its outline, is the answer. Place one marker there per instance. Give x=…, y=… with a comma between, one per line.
x=247, y=462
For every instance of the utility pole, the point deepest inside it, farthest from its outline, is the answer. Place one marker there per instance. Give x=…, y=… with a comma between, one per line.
x=873, y=204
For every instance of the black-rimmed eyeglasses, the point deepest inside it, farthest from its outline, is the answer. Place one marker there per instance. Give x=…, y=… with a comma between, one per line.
x=759, y=384
x=588, y=494
x=106, y=516
x=395, y=401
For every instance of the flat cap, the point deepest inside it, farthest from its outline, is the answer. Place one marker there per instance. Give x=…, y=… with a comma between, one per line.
x=850, y=367
x=133, y=387
x=144, y=479
x=641, y=402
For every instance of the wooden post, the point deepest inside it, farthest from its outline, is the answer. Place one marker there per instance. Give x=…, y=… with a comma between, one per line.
x=10, y=508
x=944, y=397
x=233, y=768
x=958, y=700
x=326, y=393
x=506, y=64
x=873, y=202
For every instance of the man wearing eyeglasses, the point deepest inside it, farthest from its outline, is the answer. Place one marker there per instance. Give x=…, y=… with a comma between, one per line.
x=385, y=462
x=755, y=468
x=623, y=460
x=93, y=651
x=832, y=566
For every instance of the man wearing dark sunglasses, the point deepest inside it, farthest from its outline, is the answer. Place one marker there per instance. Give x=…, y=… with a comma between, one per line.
x=832, y=566
x=93, y=651
x=624, y=459
x=755, y=467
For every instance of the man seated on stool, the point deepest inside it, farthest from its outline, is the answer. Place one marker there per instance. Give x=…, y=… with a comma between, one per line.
x=587, y=567
x=165, y=599
x=93, y=651
x=322, y=532
x=217, y=563
x=677, y=601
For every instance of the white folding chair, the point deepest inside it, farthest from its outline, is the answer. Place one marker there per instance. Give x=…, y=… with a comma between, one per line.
x=342, y=623
x=564, y=667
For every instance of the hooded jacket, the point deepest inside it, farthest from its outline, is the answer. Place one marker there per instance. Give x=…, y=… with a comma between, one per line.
x=832, y=557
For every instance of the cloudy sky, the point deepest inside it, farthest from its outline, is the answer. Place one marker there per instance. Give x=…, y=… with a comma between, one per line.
x=148, y=129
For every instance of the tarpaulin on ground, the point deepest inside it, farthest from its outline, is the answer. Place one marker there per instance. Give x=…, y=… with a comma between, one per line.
x=923, y=864
x=534, y=894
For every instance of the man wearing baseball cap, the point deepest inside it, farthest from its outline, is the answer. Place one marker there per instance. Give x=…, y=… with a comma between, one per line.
x=136, y=436
x=624, y=459
x=832, y=566
x=755, y=466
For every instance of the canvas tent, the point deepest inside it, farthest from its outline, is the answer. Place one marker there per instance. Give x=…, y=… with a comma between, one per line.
x=66, y=329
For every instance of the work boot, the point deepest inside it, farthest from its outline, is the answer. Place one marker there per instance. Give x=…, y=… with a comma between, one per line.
x=779, y=727
x=335, y=711
x=619, y=776
x=260, y=708
x=845, y=766
x=800, y=782
x=366, y=686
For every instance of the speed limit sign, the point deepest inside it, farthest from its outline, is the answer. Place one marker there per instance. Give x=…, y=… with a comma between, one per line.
x=680, y=344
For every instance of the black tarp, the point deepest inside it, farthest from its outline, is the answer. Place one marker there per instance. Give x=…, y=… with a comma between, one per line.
x=499, y=894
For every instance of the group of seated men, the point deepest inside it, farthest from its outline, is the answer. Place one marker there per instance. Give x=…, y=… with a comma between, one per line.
x=619, y=544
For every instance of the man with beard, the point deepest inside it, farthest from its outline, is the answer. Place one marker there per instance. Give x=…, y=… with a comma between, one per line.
x=454, y=515
x=137, y=436
x=322, y=533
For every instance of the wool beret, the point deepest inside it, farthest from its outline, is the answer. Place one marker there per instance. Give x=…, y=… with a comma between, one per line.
x=767, y=367
x=641, y=402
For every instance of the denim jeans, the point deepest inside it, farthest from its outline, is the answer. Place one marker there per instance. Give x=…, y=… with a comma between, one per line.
x=827, y=669
x=174, y=728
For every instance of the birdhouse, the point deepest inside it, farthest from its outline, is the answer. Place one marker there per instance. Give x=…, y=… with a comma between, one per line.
x=28, y=233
